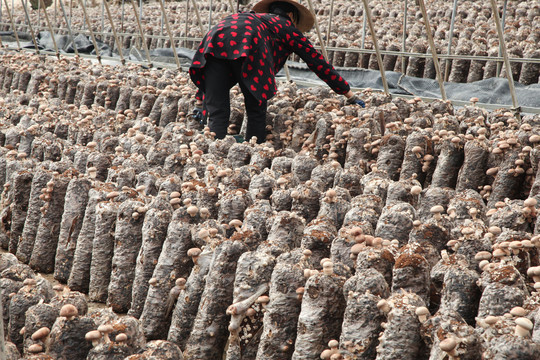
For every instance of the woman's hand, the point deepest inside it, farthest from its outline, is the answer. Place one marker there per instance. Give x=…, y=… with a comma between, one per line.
x=353, y=99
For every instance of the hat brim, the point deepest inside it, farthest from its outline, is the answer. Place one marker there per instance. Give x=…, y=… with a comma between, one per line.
x=307, y=19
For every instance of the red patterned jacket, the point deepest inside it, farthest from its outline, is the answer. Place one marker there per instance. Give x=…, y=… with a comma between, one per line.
x=266, y=41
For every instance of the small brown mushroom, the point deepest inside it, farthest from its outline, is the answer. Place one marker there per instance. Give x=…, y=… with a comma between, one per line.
x=69, y=311
x=94, y=336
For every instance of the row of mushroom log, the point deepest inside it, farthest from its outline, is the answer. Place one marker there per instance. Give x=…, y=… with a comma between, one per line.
x=405, y=227
x=473, y=33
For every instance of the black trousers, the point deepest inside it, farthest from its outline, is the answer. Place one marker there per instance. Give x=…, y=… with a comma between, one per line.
x=220, y=76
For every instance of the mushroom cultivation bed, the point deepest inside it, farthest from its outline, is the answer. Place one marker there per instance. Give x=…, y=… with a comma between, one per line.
x=335, y=239
x=474, y=32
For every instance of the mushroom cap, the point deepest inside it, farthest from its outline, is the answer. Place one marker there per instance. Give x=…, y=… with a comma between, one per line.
x=448, y=344
x=194, y=252
x=518, y=311
x=333, y=343
x=482, y=255
x=41, y=333
x=524, y=323
x=106, y=328
x=35, y=348
x=490, y=319
x=192, y=210
x=235, y=222
x=92, y=335
x=422, y=311
x=121, y=337
x=416, y=190
x=437, y=209
x=530, y=202
x=69, y=310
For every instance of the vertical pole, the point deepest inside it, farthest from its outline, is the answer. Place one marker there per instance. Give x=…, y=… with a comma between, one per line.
x=499, y=64
x=70, y=11
x=505, y=56
x=186, y=27
x=450, y=37
x=50, y=29
x=23, y=2
x=69, y=27
x=330, y=22
x=364, y=25
x=323, y=48
x=170, y=35
x=83, y=4
x=117, y=41
x=162, y=20
x=196, y=8
x=102, y=21
x=433, y=49
x=140, y=9
x=404, y=41
x=210, y=15
x=38, y=16
x=367, y=12
x=122, y=19
x=143, y=40
x=2, y=338
x=98, y=55
x=13, y=25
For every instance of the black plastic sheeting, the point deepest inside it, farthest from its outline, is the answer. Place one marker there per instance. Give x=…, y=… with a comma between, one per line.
x=490, y=91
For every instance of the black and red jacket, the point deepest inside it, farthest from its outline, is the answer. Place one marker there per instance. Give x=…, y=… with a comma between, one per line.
x=265, y=41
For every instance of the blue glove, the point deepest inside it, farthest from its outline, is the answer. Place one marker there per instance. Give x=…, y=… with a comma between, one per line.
x=198, y=115
x=355, y=100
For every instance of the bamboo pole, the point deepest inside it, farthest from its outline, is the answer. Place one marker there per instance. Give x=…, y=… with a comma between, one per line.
x=12, y=25
x=404, y=40
x=196, y=8
x=433, y=49
x=323, y=48
x=506, y=61
x=116, y=40
x=96, y=47
x=330, y=22
x=50, y=29
x=166, y=20
x=186, y=25
x=450, y=37
x=499, y=65
x=23, y=2
x=143, y=39
x=367, y=12
x=69, y=27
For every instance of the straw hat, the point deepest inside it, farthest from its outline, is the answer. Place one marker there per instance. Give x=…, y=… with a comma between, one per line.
x=306, y=21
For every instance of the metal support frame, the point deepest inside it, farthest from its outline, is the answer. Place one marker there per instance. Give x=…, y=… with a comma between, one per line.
x=50, y=29
x=323, y=48
x=170, y=34
x=367, y=12
x=87, y=21
x=502, y=43
x=143, y=39
x=13, y=25
x=433, y=49
x=68, y=27
x=450, y=37
x=116, y=40
x=23, y=2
